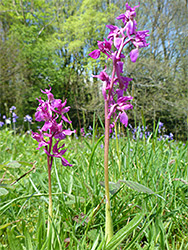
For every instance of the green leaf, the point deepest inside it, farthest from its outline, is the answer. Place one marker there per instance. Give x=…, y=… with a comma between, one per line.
x=14, y=243
x=13, y=164
x=25, y=163
x=93, y=151
x=3, y=191
x=92, y=234
x=49, y=244
x=135, y=239
x=6, y=186
x=139, y=187
x=41, y=228
x=114, y=187
x=162, y=233
x=8, y=224
x=44, y=245
x=28, y=242
x=95, y=242
x=124, y=232
x=2, y=165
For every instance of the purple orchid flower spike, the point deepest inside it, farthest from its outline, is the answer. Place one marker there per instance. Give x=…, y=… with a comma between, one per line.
x=52, y=113
x=115, y=86
x=128, y=20
x=129, y=14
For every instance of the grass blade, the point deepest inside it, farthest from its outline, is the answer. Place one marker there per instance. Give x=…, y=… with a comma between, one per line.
x=124, y=232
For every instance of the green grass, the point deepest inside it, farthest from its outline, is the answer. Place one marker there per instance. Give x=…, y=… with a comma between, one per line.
x=78, y=195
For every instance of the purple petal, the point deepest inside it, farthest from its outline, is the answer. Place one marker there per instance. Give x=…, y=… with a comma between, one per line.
x=38, y=116
x=47, y=125
x=68, y=132
x=48, y=152
x=60, y=136
x=95, y=54
x=134, y=55
x=121, y=16
x=36, y=136
x=117, y=42
x=124, y=118
x=119, y=92
x=131, y=9
x=65, y=162
x=65, y=119
x=112, y=27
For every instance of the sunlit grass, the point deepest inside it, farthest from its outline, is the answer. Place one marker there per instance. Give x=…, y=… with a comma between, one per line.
x=78, y=194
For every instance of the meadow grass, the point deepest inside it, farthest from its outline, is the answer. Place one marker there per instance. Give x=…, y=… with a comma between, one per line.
x=78, y=194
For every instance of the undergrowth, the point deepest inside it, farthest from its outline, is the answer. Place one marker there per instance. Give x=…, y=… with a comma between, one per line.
x=78, y=194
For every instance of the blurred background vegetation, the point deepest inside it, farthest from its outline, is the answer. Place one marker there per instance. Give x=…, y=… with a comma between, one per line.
x=47, y=42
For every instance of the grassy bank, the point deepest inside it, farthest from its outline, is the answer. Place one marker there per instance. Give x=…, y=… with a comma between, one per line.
x=78, y=194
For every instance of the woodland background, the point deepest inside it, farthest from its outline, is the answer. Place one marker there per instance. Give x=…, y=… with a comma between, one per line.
x=46, y=42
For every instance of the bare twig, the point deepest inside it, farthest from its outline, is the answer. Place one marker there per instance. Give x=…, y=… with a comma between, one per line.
x=1, y=180
x=23, y=175
x=45, y=27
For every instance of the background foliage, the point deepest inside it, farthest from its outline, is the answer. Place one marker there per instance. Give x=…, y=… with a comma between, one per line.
x=48, y=42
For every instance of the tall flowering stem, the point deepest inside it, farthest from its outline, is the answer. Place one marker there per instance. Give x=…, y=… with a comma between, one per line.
x=108, y=222
x=114, y=87
x=51, y=112
x=49, y=164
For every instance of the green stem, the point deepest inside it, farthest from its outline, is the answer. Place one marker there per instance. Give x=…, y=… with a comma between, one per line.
x=49, y=159
x=108, y=223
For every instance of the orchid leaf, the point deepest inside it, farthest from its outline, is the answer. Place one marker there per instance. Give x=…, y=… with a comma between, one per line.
x=124, y=232
x=114, y=187
x=3, y=191
x=139, y=187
